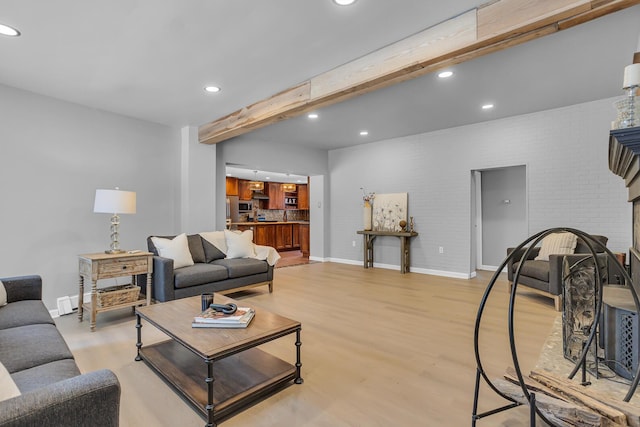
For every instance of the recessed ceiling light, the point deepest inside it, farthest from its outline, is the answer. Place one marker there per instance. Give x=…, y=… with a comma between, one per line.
x=344, y=2
x=6, y=30
x=312, y=115
x=445, y=74
x=487, y=106
x=364, y=133
x=212, y=89
x=267, y=177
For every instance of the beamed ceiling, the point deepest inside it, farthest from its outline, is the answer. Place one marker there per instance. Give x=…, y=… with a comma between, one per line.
x=150, y=60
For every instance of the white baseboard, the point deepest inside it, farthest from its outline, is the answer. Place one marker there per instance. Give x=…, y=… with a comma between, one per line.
x=492, y=268
x=442, y=273
x=317, y=258
x=344, y=261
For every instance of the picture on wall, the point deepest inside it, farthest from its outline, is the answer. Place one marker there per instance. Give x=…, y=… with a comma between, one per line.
x=388, y=211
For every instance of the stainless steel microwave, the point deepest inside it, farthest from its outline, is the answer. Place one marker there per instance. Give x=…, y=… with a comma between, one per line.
x=245, y=206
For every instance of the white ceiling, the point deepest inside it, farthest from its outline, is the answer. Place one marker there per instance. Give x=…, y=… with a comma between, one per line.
x=150, y=59
x=238, y=171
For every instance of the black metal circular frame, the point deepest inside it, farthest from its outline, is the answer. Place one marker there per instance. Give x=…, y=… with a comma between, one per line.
x=533, y=241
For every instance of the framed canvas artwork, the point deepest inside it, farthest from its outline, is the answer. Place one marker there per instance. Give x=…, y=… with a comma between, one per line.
x=388, y=211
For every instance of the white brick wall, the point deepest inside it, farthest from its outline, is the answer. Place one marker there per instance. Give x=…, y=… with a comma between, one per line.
x=569, y=182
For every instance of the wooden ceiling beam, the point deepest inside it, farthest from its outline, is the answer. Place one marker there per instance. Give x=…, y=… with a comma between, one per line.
x=494, y=26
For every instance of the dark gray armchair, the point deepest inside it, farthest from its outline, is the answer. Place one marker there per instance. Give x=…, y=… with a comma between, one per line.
x=545, y=277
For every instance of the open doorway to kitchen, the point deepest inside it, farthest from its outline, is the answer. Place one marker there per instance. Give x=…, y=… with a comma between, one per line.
x=274, y=206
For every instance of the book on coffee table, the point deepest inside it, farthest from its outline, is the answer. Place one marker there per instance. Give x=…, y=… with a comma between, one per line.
x=213, y=319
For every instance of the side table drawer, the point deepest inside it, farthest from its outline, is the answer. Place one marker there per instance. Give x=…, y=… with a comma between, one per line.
x=119, y=267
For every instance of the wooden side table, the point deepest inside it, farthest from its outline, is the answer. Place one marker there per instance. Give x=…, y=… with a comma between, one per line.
x=93, y=267
x=405, y=249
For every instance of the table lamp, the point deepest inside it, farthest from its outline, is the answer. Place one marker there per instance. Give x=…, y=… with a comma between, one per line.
x=115, y=202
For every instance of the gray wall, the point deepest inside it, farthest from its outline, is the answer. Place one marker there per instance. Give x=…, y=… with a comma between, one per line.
x=197, y=183
x=504, y=224
x=566, y=153
x=53, y=156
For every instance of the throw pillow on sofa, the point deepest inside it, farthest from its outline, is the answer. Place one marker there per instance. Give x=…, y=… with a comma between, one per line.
x=557, y=243
x=8, y=388
x=217, y=239
x=177, y=249
x=239, y=245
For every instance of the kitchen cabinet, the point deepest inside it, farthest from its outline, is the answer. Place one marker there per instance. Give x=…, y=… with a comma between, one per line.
x=281, y=236
x=284, y=237
x=303, y=196
x=232, y=186
x=264, y=235
x=244, y=192
x=276, y=195
x=304, y=239
x=295, y=234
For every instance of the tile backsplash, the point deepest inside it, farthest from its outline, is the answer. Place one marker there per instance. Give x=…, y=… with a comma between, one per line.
x=278, y=215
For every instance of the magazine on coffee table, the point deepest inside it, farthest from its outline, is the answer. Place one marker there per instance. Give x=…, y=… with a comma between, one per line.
x=216, y=319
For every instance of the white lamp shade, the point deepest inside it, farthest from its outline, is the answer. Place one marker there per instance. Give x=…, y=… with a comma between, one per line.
x=115, y=202
x=631, y=76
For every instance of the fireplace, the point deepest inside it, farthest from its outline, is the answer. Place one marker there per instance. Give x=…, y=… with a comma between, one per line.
x=620, y=323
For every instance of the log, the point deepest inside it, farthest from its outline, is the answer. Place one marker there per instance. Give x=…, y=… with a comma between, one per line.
x=615, y=418
x=631, y=412
x=532, y=385
x=557, y=411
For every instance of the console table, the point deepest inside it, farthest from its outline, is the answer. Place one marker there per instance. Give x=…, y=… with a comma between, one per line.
x=405, y=248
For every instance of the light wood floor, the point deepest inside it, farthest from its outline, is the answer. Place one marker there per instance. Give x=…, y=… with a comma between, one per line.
x=378, y=349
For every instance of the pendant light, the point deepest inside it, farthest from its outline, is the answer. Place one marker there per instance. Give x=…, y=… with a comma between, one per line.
x=256, y=185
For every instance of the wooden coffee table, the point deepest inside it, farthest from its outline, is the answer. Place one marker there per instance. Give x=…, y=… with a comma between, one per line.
x=218, y=371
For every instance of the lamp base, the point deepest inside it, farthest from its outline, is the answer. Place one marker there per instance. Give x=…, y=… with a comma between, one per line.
x=114, y=251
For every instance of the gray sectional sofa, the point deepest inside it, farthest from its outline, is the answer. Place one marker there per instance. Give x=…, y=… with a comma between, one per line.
x=211, y=272
x=52, y=390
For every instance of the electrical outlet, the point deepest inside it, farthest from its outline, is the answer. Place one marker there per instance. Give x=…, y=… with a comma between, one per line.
x=441, y=249
x=353, y=243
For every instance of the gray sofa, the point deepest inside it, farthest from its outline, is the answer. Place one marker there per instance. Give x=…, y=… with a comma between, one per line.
x=53, y=391
x=211, y=272
x=545, y=277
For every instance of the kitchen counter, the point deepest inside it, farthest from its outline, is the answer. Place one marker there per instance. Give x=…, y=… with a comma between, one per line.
x=252, y=223
x=282, y=235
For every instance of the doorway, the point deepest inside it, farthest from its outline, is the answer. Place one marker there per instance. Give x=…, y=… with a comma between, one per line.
x=275, y=206
x=499, y=214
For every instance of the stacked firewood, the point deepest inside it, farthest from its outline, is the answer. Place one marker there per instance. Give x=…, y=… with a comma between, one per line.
x=566, y=403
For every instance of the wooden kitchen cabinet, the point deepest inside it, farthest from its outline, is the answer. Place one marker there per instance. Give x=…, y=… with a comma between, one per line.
x=295, y=234
x=276, y=195
x=264, y=235
x=232, y=186
x=303, y=196
x=284, y=237
x=304, y=239
x=244, y=192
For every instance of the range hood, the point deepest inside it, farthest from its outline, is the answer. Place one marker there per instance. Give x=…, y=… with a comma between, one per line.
x=260, y=195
